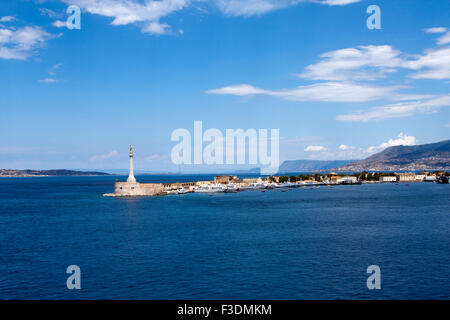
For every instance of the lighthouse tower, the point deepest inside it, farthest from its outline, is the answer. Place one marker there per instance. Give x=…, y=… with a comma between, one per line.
x=131, y=177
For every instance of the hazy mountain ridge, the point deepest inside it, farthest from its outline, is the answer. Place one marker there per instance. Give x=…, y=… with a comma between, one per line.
x=311, y=165
x=54, y=172
x=432, y=156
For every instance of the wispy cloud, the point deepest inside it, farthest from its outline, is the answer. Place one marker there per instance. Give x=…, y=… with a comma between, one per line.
x=7, y=19
x=436, y=30
x=314, y=148
x=249, y=8
x=123, y=12
x=445, y=39
x=106, y=156
x=375, y=62
x=327, y=91
x=52, y=73
x=50, y=13
x=48, y=80
x=59, y=24
x=20, y=43
x=397, y=110
x=363, y=63
x=434, y=64
x=345, y=147
x=148, y=14
x=341, y=68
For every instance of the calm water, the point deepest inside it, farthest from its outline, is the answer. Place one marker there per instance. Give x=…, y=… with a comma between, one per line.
x=299, y=244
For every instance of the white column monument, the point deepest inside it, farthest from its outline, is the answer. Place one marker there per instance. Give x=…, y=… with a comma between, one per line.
x=131, y=177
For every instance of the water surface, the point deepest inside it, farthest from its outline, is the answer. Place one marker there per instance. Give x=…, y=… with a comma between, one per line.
x=300, y=244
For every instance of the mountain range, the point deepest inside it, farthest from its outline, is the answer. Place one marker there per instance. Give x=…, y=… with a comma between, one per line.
x=432, y=156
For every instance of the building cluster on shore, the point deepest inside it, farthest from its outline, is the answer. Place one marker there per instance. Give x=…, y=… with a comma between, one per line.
x=231, y=183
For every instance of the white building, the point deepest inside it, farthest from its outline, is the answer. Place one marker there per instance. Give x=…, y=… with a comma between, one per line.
x=347, y=179
x=430, y=178
x=420, y=176
x=406, y=177
x=388, y=179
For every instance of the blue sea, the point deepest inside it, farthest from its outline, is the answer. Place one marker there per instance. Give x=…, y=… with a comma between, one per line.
x=300, y=244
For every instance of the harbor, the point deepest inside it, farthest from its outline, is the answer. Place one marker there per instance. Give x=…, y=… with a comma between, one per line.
x=233, y=184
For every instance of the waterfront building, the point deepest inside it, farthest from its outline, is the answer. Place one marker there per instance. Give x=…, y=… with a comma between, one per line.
x=406, y=177
x=348, y=179
x=430, y=178
x=388, y=179
x=335, y=179
x=201, y=183
x=421, y=176
x=226, y=179
x=251, y=180
x=343, y=179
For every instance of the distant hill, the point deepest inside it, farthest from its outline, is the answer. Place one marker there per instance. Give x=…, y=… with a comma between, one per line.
x=432, y=156
x=57, y=172
x=311, y=165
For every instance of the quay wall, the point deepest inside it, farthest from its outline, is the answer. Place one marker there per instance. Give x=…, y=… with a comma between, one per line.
x=137, y=189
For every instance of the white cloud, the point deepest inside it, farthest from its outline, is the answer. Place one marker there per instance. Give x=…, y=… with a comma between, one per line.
x=145, y=14
x=344, y=147
x=445, y=39
x=436, y=30
x=364, y=62
x=50, y=13
x=337, y=2
x=434, y=64
x=314, y=148
x=402, y=140
x=7, y=19
x=20, y=43
x=48, y=80
x=59, y=24
x=327, y=91
x=238, y=90
x=375, y=62
x=249, y=8
x=157, y=28
x=105, y=156
x=398, y=110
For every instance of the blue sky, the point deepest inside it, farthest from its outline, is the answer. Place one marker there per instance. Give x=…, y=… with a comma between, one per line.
x=138, y=70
